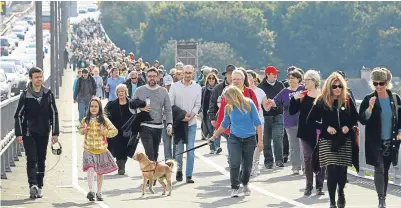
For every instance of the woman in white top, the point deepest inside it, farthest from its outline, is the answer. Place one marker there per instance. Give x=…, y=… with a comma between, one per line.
x=253, y=80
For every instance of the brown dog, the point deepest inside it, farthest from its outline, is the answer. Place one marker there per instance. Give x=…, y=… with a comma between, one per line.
x=155, y=171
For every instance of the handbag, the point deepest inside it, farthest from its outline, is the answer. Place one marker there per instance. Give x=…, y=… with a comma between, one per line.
x=126, y=134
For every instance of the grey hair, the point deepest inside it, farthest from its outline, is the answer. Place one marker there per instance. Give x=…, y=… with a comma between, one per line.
x=240, y=72
x=381, y=74
x=314, y=75
x=122, y=86
x=132, y=72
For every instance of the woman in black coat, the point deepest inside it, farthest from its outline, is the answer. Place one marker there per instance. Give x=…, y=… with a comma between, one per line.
x=381, y=116
x=337, y=114
x=119, y=113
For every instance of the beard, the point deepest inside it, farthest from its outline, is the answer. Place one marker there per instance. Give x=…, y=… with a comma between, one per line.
x=152, y=83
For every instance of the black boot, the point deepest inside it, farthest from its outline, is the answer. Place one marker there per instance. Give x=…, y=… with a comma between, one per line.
x=341, y=200
x=308, y=191
x=189, y=179
x=382, y=202
x=178, y=177
x=121, y=167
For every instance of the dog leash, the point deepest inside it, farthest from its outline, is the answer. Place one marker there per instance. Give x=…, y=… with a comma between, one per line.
x=192, y=149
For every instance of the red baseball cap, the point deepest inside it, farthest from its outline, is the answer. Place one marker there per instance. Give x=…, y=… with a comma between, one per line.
x=271, y=70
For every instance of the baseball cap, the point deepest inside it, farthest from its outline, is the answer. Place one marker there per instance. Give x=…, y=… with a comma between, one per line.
x=271, y=70
x=229, y=68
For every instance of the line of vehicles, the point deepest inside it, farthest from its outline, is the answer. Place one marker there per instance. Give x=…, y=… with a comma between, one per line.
x=18, y=55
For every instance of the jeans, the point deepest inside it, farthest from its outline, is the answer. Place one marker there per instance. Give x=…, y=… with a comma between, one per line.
x=308, y=150
x=241, y=150
x=82, y=108
x=150, y=138
x=273, y=131
x=381, y=174
x=295, y=148
x=190, y=155
x=210, y=128
x=35, y=150
x=169, y=148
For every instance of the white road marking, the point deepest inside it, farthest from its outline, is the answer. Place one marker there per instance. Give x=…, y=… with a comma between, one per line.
x=260, y=190
x=75, y=161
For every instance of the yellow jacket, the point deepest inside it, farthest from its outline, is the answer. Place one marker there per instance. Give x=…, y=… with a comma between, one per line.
x=96, y=138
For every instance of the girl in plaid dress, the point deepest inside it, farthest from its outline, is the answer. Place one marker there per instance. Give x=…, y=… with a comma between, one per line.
x=96, y=158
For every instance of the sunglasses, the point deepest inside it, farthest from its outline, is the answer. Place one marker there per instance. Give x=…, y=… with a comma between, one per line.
x=210, y=78
x=336, y=86
x=379, y=83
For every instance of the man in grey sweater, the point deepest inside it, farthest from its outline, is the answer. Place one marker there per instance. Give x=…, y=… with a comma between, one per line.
x=157, y=99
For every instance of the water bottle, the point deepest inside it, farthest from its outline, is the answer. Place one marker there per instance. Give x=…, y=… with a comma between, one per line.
x=147, y=101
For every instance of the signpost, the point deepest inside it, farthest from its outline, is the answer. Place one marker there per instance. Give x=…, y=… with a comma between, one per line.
x=187, y=53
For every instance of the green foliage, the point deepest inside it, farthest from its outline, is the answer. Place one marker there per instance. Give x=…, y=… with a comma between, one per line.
x=321, y=35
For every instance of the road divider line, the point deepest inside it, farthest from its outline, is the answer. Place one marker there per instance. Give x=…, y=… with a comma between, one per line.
x=260, y=190
x=74, y=161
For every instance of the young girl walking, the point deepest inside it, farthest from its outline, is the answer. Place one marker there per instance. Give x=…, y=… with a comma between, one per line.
x=96, y=158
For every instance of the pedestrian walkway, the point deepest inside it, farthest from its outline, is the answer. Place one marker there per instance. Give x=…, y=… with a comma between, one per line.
x=65, y=184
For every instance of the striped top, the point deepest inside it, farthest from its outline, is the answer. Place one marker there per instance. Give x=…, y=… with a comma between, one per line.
x=96, y=139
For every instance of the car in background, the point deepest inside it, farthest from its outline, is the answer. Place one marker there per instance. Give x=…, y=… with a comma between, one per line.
x=11, y=71
x=12, y=39
x=18, y=61
x=5, y=86
x=23, y=24
x=30, y=19
x=31, y=48
x=19, y=31
x=5, y=46
x=92, y=8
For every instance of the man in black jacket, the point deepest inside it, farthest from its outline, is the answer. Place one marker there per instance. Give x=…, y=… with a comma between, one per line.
x=273, y=127
x=35, y=116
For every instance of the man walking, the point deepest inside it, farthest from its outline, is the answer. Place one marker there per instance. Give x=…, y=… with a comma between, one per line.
x=84, y=91
x=35, y=116
x=186, y=95
x=158, y=104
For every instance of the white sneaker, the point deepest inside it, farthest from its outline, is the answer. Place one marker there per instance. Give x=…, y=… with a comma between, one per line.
x=234, y=193
x=247, y=191
x=39, y=195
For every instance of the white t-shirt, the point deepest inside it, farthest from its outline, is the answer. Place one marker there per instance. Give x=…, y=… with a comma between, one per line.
x=260, y=95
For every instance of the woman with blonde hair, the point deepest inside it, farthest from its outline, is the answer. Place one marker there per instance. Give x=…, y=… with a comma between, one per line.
x=336, y=113
x=241, y=115
x=381, y=116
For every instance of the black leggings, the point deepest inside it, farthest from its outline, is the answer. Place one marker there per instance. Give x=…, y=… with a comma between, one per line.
x=336, y=175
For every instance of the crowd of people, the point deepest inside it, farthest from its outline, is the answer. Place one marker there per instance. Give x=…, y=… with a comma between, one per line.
x=299, y=122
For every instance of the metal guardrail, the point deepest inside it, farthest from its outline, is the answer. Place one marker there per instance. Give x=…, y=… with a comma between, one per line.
x=10, y=148
x=15, y=16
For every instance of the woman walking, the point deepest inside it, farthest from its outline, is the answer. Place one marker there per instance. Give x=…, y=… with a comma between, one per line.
x=337, y=114
x=241, y=115
x=282, y=99
x=301, y=104
x=379, y=113
x=210, y=83
x=118, y=112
